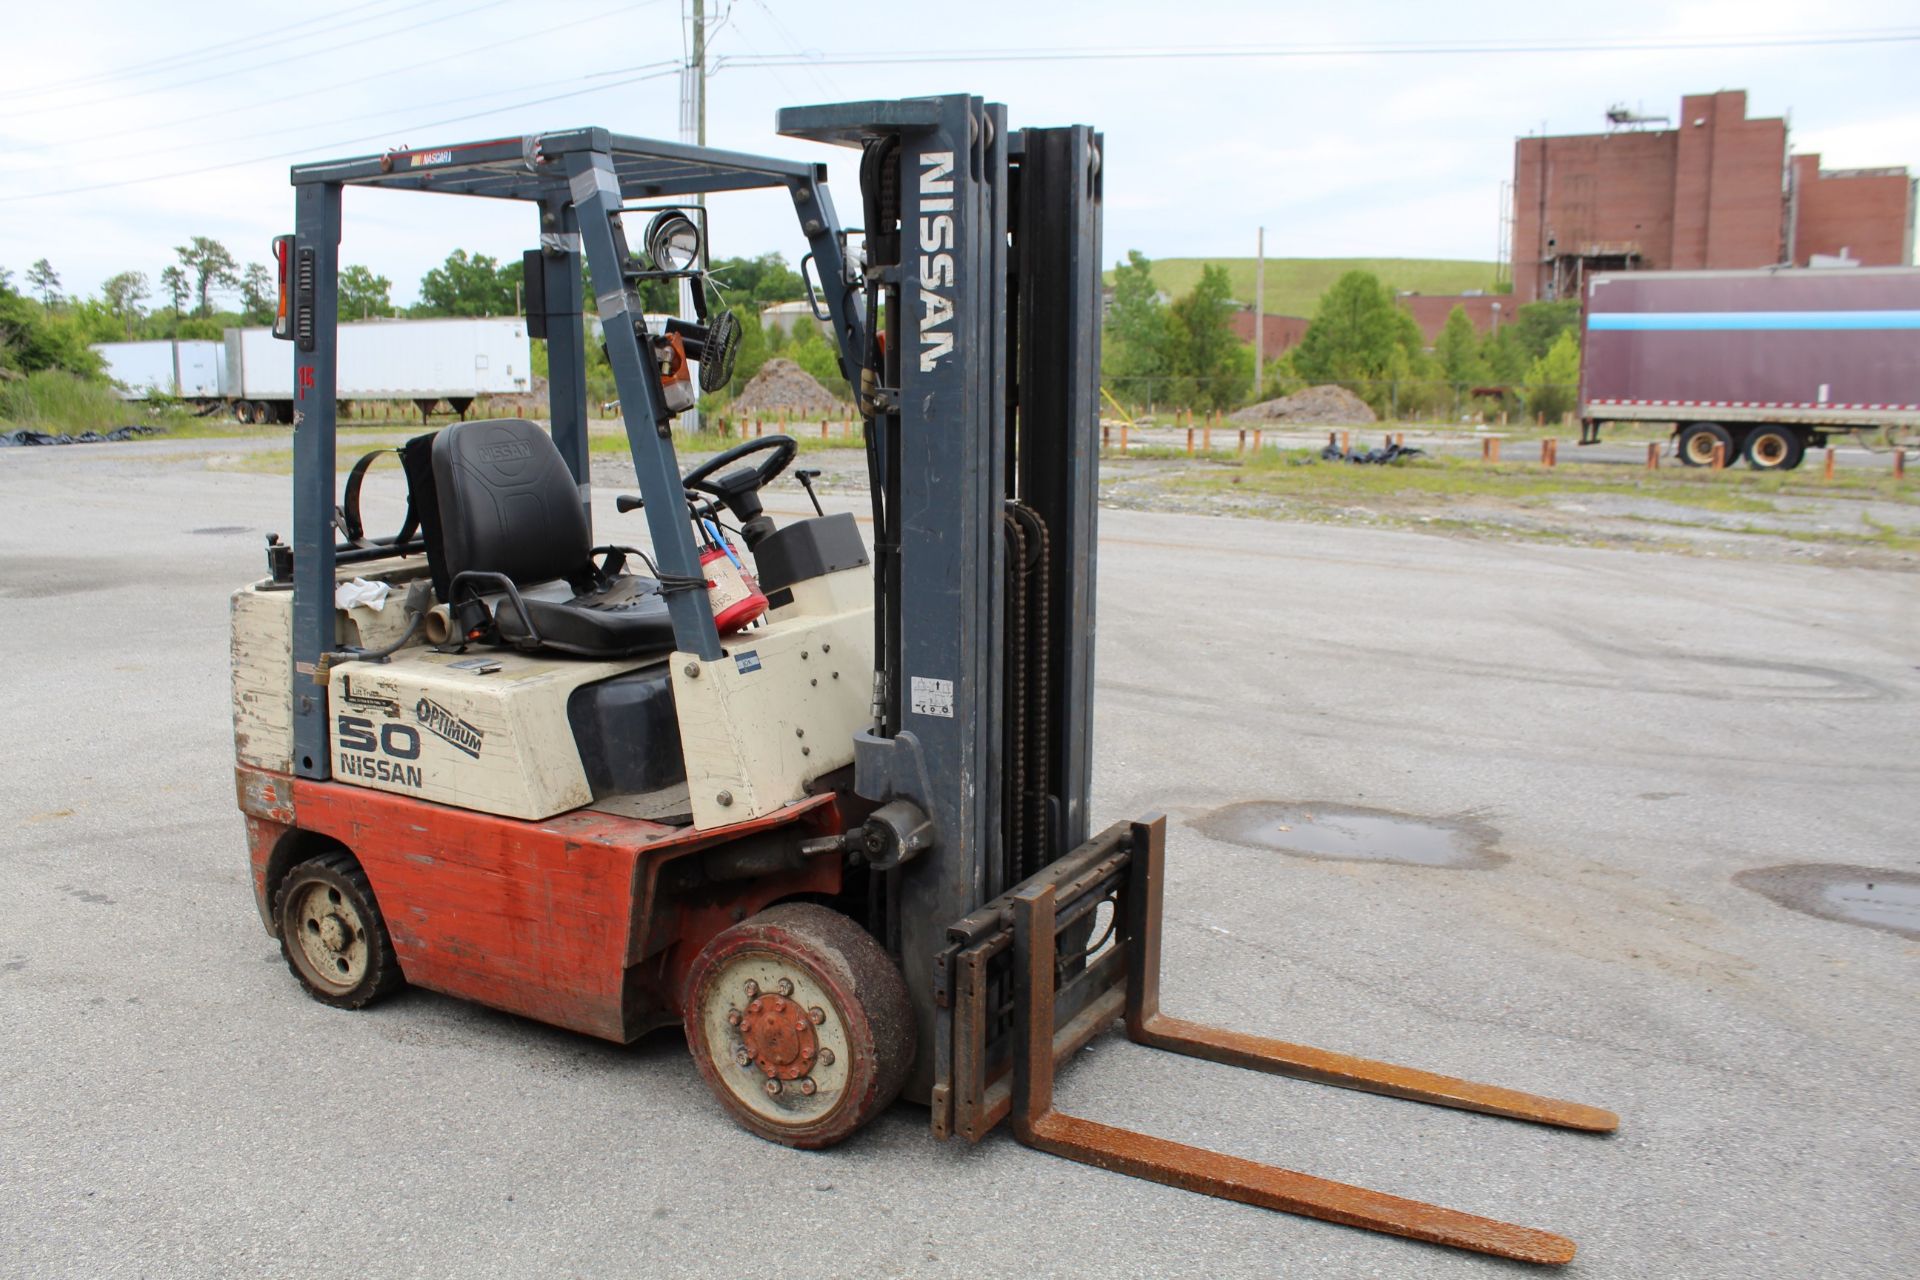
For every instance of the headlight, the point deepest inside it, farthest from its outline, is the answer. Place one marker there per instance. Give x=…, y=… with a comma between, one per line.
x=673, y=242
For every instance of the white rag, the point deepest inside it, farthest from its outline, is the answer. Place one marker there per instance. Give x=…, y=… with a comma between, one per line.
x=361, y=592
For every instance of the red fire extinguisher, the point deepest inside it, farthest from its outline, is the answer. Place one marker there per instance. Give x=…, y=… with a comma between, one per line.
x=736, y=599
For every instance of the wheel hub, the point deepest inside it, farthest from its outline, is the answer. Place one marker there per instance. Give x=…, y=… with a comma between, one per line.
x=336, y=934
x=779, y=1037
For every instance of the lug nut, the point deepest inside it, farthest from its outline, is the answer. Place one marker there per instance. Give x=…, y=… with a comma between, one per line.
x=786, y=986
x=753, y=988
x=773, y=1088
x=741, y=1056
x=826, y=1057
x=818, y=1015
x=807, y=1086
x=733, y=1017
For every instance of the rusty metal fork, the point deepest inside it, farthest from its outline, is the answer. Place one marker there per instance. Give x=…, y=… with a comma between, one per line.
x=1037, y=1124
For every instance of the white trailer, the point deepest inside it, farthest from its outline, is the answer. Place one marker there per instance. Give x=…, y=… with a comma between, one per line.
x=186, y=370
x=425, y=361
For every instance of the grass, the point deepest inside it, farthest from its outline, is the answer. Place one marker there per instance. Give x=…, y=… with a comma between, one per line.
x=62, y=404
x=1300, y=473
x=1294, y=285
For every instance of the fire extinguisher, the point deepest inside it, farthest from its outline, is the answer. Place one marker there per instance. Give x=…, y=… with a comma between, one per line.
x=732, y=593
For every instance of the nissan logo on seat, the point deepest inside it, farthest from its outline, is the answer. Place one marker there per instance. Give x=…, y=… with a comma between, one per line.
x=505, y=451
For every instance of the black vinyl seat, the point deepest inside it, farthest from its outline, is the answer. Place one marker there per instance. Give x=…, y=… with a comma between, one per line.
x=505, y=514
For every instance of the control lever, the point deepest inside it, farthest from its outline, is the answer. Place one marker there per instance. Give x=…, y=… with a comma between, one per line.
x=629, y=502
x=806, y=478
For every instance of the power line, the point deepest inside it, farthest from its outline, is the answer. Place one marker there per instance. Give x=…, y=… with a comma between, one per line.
x=882, y=58
x=333, y=87
x=662, y=69
x=304, y=54
x=151, y=65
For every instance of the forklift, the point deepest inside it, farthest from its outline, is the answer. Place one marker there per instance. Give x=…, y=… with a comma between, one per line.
x=818, y=797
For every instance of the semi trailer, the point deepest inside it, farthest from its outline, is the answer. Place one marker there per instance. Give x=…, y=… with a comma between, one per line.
x=1763, y=364
x=186, y=370
x=425, y=361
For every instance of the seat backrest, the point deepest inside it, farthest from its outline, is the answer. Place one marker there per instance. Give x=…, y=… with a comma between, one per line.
x=507, y=503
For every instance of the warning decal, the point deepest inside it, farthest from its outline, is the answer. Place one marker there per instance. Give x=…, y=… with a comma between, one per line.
x=932, y=697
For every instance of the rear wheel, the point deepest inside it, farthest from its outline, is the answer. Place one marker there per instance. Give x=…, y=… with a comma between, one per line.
x=1697, y=440
x=1775, y=448
x=800, y=1024
x=333, y=935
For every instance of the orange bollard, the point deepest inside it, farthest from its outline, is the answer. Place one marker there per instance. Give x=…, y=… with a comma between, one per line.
x=1400, y=439
x=1829, y=469
x=1256, y=439
x=1123, y=437
x=1653, y=455
x=1345, y=447
x=1106, y=437
x=1899, y=464
x=1719, y=456
x=1206, y=439
x=1189, y=442
x=1549, y=453
x=1241, y=447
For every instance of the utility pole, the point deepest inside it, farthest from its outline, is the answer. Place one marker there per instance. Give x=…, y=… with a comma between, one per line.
x=1259, y=310
x=693, y=128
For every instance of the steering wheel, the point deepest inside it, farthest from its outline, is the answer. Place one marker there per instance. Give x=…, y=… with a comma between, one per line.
x=740, y=490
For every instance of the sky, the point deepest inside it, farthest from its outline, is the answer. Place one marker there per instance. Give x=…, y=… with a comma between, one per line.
x=126, y=128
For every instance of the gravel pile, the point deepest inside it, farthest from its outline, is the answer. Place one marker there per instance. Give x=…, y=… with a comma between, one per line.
x=784, y=385
x=1316, y=405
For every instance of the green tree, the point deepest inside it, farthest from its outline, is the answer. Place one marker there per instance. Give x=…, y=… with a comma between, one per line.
x=258, y=294
x=1506, y=363
x=1457, y=351
x=1538, y=325
x=1136, y=353
x=1354, y=333
x=761, y=281
x=123, y=294
x=174, y=281
x=1212, y=366
x=1553, y=383
x=362, y=294
x=208, y=264
x=32, y=340
x=753, y=351
x=820, y=358
x=465, y=286
x=45, y=281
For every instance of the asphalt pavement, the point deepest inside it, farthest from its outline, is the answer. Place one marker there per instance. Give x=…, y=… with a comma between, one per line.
x=1621, y=733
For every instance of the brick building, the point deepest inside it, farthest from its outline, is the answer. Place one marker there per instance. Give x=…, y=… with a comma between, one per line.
x=1718, y=191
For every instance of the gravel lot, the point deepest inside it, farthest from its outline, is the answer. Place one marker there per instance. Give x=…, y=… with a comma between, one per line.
x=1625, y=733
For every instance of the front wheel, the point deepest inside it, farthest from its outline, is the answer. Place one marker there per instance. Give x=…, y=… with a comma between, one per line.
x=800, y=1024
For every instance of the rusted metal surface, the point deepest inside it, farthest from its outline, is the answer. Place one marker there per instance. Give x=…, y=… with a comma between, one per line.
x=778, y=1035
x=1057, y=1003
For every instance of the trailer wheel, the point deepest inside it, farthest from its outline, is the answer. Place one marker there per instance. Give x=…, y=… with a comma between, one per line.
x=800, y=1024
x=1697, y=440
x=1775, y=448
x=333, y=935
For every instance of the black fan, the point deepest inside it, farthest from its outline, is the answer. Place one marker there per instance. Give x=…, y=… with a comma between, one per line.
x=720, y=348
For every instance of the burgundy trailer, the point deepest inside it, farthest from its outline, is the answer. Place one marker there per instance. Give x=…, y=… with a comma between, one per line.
x=1764, y=363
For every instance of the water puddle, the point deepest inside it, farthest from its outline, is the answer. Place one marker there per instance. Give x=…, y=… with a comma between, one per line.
x=1344, y=834
x=1871, y=897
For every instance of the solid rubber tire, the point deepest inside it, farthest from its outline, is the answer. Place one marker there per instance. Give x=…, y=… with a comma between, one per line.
x=869, y=995
x=340, y=871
